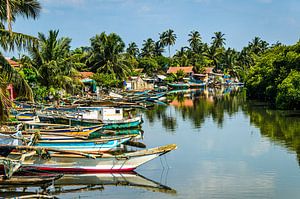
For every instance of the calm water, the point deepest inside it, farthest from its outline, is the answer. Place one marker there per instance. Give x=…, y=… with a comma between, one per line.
x=227, y=148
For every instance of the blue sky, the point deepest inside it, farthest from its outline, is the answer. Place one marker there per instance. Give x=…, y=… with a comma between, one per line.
x=137, y=20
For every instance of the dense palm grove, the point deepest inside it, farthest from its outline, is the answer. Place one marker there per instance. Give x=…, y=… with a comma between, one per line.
x=270, y=72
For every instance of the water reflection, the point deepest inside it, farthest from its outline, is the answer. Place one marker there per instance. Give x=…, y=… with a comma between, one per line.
x=196, y=105
x=80, y=183
x=281, y=127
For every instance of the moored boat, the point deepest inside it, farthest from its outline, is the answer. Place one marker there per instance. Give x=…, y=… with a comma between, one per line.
x=101, y=163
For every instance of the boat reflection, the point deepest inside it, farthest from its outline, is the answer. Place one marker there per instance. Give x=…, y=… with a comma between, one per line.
x=73, y=183
x=83, y=182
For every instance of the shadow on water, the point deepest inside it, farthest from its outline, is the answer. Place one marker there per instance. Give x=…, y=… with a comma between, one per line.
x=80, y=183
x=280, y=127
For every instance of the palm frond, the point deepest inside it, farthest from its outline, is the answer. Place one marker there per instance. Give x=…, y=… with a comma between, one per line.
x=10, y=41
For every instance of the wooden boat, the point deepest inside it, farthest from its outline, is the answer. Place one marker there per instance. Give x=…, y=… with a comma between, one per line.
x=26, y=178
x=196, y=85
x=85, y=145
x=107, y=124
x=178, y=85
x=124, y=162
x=73, y=131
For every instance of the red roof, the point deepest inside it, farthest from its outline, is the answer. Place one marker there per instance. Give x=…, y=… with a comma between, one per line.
x=86, y=74
x=186, y=69
x=13, y=63
x=208, y=70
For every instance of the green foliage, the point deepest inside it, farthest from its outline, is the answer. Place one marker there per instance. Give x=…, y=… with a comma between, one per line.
x=29, y=74
x=270, y=78
x=288, y=96
x=107, y=80
x=149, y=65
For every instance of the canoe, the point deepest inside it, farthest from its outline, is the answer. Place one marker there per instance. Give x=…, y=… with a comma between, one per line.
x=29, y=179
x=73, y=131
x=117, y=124
x=91, y=146
x=178, y=85
x=124, y=162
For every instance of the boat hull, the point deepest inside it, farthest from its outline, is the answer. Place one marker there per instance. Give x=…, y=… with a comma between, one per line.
x=100, y=164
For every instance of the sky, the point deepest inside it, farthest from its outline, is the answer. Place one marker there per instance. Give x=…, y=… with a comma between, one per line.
x=138, y=20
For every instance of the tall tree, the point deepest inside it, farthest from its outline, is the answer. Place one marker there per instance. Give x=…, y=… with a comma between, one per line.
x=148, y=49
x=194, y=41
x=53, y=60
x=218, y=40
x=133, y=49
x=107, y=55
x=168, y=38
x=9, y=10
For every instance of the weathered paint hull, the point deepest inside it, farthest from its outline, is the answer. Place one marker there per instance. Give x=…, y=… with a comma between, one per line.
x=124, y=124
x=88, y=146
x=102, y=163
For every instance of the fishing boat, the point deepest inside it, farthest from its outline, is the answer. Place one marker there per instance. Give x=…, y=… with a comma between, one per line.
x=82, y=144
x=179, y=85
x=196, y=85
x=75, y=131
x=105, y=162
x=108, y=117
x=28, y=178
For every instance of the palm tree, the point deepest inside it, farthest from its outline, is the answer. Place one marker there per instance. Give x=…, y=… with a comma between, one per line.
x=10, y=40
x=53, y=60
x=218, y=40
x=132, y=49
x=107, y=55
x=168, y=38
x=195, y=41
x=257, y=45
x=159, y=49
x=148, y=48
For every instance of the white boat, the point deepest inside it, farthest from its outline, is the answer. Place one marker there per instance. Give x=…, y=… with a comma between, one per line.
x=124, y=162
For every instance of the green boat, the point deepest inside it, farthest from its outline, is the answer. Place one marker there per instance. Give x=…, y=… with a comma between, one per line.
x=178, y=86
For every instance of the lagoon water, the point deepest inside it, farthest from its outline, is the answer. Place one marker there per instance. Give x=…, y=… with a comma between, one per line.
x=227, y=148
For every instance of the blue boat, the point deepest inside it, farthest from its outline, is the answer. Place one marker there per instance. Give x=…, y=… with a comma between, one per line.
x=91, y=146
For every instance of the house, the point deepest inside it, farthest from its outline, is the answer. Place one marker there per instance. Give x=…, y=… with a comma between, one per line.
x=137, y=83
x=13, y=63
x=188, y=70
x=89, y=84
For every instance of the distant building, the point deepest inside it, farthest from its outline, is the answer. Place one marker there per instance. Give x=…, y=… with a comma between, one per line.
x=188, y=70
x=137, y=83
x=89, y=84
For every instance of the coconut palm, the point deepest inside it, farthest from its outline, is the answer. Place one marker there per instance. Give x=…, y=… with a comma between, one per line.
x=107, y=55
x=10, y=40
x=159, y=49
x=195, y=41
x=132, y=49
x=168, y=38
x=148, y=49
x=218, y=40
x=53, y=60
x=257, y=45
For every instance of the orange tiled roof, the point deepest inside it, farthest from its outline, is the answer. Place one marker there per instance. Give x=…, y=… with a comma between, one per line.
x=186, y=69
x=86, y=74
x=13, y=63
x=208, y=70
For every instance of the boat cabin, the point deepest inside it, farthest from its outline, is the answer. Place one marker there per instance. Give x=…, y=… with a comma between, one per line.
x=110, y=113
x=101, y=113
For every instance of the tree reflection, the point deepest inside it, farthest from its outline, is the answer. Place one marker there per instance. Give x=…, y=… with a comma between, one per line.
x=281, y=127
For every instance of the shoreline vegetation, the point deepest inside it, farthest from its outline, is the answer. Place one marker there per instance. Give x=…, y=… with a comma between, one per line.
x=270, y=73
